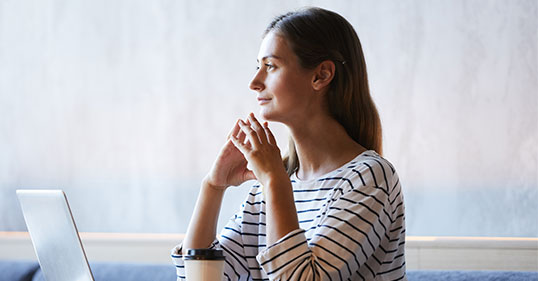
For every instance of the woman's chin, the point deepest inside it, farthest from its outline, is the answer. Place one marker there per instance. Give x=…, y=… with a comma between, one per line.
x=270, y=115
x=265, y=114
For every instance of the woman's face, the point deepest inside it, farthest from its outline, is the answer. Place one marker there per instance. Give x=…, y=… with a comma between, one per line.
x=284, y=88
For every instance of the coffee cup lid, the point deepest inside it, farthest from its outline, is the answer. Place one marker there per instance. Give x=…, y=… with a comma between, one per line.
x=204, y=254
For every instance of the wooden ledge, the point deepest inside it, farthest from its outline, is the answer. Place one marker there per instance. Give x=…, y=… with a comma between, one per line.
x=422, y=252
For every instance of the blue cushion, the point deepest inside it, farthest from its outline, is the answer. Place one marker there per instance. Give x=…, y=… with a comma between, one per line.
x=438, y=275
x=23, y=271
x=109, y=271
x=17, y=270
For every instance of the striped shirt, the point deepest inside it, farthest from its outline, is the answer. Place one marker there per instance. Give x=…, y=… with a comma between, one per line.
x=352, y=227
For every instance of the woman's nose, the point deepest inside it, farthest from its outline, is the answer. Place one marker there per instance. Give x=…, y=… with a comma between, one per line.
x=256, y=83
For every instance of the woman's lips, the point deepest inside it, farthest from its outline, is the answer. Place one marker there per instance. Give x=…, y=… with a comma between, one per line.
x=263, y=101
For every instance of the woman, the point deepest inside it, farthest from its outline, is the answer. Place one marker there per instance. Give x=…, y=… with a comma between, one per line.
x=333, y=209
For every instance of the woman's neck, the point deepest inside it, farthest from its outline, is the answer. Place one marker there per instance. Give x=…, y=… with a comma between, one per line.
x=322, y=145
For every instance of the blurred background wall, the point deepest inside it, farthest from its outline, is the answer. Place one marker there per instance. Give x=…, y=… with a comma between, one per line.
x=125, y=104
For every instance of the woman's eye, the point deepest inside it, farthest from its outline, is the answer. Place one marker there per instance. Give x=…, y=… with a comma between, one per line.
x=267, y=65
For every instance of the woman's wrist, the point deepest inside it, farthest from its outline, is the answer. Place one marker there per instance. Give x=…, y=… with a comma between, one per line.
x=206, y=184
x=275, y=179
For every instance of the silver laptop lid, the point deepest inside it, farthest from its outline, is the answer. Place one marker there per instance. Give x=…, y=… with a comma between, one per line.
x=54, y=235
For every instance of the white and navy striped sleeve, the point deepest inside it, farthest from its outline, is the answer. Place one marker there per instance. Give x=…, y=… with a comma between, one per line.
x=231, y=242
x=357, y=235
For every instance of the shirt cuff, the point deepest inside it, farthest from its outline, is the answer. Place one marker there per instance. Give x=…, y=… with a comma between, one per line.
x=285, y=254
x=177, y=258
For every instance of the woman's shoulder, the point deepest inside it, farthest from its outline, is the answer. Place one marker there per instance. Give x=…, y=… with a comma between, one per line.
x=370, y=158
x=369, y=169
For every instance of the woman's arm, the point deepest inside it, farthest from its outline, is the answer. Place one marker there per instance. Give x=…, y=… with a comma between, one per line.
x=203, y=225
x=263, y=153
x=230, y=168
x=281, y=212
x=357, y=238
x=230, y=240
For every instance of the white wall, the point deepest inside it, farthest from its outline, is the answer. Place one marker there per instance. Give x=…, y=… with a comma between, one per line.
x=124, y=104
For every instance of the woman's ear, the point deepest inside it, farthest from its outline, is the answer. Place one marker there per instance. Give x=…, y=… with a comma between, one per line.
x=323, y=75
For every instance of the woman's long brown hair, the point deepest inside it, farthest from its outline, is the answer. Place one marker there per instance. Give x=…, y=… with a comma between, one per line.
x=316, y=35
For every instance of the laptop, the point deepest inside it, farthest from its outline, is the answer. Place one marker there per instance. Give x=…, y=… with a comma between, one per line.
x=54, y=235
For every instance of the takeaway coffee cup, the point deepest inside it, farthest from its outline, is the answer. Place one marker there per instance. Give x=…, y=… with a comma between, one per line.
x=204, y=265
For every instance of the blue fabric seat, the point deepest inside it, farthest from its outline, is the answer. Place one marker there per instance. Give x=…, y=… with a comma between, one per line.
x=108, y=271
x=111, y=271
x=448, y=275
x=17, y=270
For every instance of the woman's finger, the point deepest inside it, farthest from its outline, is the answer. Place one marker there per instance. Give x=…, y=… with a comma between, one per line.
x=234, y=131
x=258, y=128
x=239, y=145
x=241, y=136
x=246, y=122
x=251, y=135
x=270, y=136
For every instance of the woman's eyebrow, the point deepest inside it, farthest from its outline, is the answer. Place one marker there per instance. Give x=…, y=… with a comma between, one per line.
x=269, y=56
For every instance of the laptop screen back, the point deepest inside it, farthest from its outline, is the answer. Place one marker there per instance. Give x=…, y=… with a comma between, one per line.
x=54, y=235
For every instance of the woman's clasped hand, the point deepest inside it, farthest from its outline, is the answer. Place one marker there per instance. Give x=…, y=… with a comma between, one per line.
x=258, y=145
x=248, y=142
